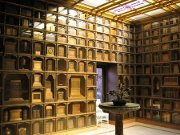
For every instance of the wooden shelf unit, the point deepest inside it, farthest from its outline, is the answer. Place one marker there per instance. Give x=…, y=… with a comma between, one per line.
x=51, y=48
x=157, y=58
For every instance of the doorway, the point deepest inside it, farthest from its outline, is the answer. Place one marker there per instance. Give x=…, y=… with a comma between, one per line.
x=106, y=80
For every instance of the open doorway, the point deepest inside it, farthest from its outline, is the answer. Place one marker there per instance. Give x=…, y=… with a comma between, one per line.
x=106, y=79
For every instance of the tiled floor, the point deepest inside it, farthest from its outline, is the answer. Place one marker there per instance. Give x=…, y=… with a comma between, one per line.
x=133, y=129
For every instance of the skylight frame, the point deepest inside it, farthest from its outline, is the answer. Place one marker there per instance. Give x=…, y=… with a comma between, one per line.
x=94, y=3
x=129, y=7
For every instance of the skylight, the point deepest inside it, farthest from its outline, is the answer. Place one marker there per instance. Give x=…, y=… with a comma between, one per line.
x=130, y=6
x=138, y=17
x=94, y=3
x=147, y=14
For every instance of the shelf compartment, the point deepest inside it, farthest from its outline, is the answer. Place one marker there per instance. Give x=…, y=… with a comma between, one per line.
x=82, y=66
x=71, y=122
x=76, y=108
x=62, y=65
x=25, y=46
x=50, y=88
x=77, y=87
x=50, y=65
x=72, y=52
x=10, y=45
x=49, y=126
x=61, y=94
x=62, y=79
x=16, y=88
x=166, y=117
x=37, y=111
x=62, y=51
x=50, y=110
x=61, y=124
x=91, y=93
x=91, y=120
x=61, y=110
x=11, y=31
x=72, y=66
x=81, y=121
x=176, y=118
x=37, y=127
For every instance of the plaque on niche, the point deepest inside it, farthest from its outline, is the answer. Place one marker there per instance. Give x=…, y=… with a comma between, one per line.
x=37, y=65
x=37, y=80
x=50, y=50
x=15, y=115
x=15, y=90
x=36, y=97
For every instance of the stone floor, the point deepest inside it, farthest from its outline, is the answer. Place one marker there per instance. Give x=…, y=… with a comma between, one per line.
x=134, y=128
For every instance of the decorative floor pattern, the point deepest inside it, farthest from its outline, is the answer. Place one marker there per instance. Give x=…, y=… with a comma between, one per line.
x=134, y=128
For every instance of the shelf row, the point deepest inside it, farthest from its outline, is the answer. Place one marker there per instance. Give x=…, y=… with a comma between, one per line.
x=165, y=31
x=24, y=88
x=48, y=126
x=165, y=22
x=38, y=111
x=72, y=64
x=174, y=45
x=158, y=57
x=12, y=45
x=64, y=25
x=55, y=12
x=71, y=38
x=39, y=64
x=165, y=39
x=159, y=116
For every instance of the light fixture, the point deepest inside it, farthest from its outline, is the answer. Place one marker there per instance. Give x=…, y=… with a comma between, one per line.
x=178, y=4
x=130, y=6
x=94, y=3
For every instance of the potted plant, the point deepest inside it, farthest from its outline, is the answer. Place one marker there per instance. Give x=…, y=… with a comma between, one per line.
x=121, y=94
